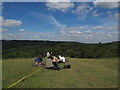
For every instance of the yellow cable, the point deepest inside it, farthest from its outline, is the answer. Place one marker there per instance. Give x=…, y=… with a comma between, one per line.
x=23, y=78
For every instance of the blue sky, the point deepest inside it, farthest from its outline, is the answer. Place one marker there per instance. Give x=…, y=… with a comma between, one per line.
x=88, y=22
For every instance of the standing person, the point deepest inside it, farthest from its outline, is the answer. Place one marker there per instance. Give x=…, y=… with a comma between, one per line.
x=39, y=60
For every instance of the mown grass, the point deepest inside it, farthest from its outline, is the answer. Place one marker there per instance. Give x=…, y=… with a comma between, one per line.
x=84, y=73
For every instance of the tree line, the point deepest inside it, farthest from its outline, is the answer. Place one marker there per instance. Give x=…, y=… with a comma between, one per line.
x=29, y=49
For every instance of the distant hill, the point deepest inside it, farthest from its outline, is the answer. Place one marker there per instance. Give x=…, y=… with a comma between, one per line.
x=27, y=49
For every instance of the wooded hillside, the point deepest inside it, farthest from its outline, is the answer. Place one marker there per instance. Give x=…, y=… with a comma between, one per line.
x=27, y=49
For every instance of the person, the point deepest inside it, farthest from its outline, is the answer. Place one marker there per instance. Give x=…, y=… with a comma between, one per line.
x=54, y=60
x=62, y=59
x=39, y=60
x=49, y=64
x=52, y=63
x=48, y=54
x=51, y=53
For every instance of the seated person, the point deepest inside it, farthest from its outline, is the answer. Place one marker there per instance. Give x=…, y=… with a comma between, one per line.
x=54, y=60
x=51, y=63
x=39, y=60
x=62, y=59
x=48, y=54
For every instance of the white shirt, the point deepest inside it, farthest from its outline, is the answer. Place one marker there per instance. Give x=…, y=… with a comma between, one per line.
x=62, y=58
x=48, y=54
x=54, y=59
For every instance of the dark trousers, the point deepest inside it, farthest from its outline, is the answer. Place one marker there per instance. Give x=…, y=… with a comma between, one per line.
x=55, y=64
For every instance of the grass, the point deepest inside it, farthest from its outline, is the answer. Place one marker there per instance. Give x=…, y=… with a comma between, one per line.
x=84, y=73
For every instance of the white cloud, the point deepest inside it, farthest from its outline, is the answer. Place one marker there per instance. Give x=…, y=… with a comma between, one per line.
x=10, y=34
x=58, y=0
x=106, y=4
x=3, y=29
x=75, y=28
x=95, y=14
x=116, y=15
x=107, y=0
x=10, y=23
x=85, y=36
x=57, y=23
x=59, y=5
x=21, y=30
x=82, y=11
x=88, y=31
x=38, y=33
x=88, y=36
x=109, y=12
x=75, y=32
x=25, y=36
x=1, y=18
x=62, y=32
x=91, y=27
x=103, y=27
x=1, y=6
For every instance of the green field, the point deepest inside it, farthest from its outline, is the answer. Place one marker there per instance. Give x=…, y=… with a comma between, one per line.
x=84, y=73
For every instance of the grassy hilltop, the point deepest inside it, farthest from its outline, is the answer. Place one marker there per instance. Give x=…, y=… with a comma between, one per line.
x=92, y=65
x=85, y=73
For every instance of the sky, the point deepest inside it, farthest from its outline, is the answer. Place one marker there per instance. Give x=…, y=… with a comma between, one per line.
x=86, y=22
